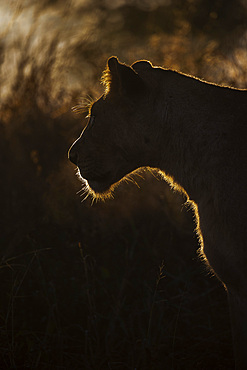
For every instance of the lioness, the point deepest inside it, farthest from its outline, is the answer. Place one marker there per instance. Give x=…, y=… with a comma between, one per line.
x=195, y=133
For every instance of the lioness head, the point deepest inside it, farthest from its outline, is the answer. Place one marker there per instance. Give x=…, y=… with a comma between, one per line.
x=118, y=138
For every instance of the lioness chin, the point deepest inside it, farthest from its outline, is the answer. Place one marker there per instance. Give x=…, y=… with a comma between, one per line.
x=195, y=134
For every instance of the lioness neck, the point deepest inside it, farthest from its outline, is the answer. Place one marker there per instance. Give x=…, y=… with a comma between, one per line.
x=201, y=126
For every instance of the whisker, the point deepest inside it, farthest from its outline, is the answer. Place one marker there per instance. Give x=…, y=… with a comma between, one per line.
x=83, y=200
x=85, y=192
x=84, y=106
x=84, y=186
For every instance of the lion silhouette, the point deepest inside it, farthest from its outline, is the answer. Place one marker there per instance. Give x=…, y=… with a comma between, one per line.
x=195, y=134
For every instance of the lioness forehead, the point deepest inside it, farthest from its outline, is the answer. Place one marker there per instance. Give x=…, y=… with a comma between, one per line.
x=97, y=104
x=103, y=103
x=107, y=104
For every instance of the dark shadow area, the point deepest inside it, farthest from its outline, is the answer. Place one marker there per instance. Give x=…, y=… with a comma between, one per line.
x=114, y=285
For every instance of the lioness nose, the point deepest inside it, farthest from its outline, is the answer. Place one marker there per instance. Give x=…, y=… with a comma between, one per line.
x=73, y=155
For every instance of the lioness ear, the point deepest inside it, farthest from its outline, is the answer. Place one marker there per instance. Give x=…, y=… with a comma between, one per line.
x=113, y=64
x=124, y=79
x=141, y=66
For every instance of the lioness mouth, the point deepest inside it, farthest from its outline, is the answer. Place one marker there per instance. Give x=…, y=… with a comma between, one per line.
x=98, y=184
x=98, y=187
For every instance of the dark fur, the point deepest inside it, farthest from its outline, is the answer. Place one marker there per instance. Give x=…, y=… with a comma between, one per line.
x=195, y=134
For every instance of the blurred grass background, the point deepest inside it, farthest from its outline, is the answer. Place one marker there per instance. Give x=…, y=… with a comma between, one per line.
x=116, y=285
